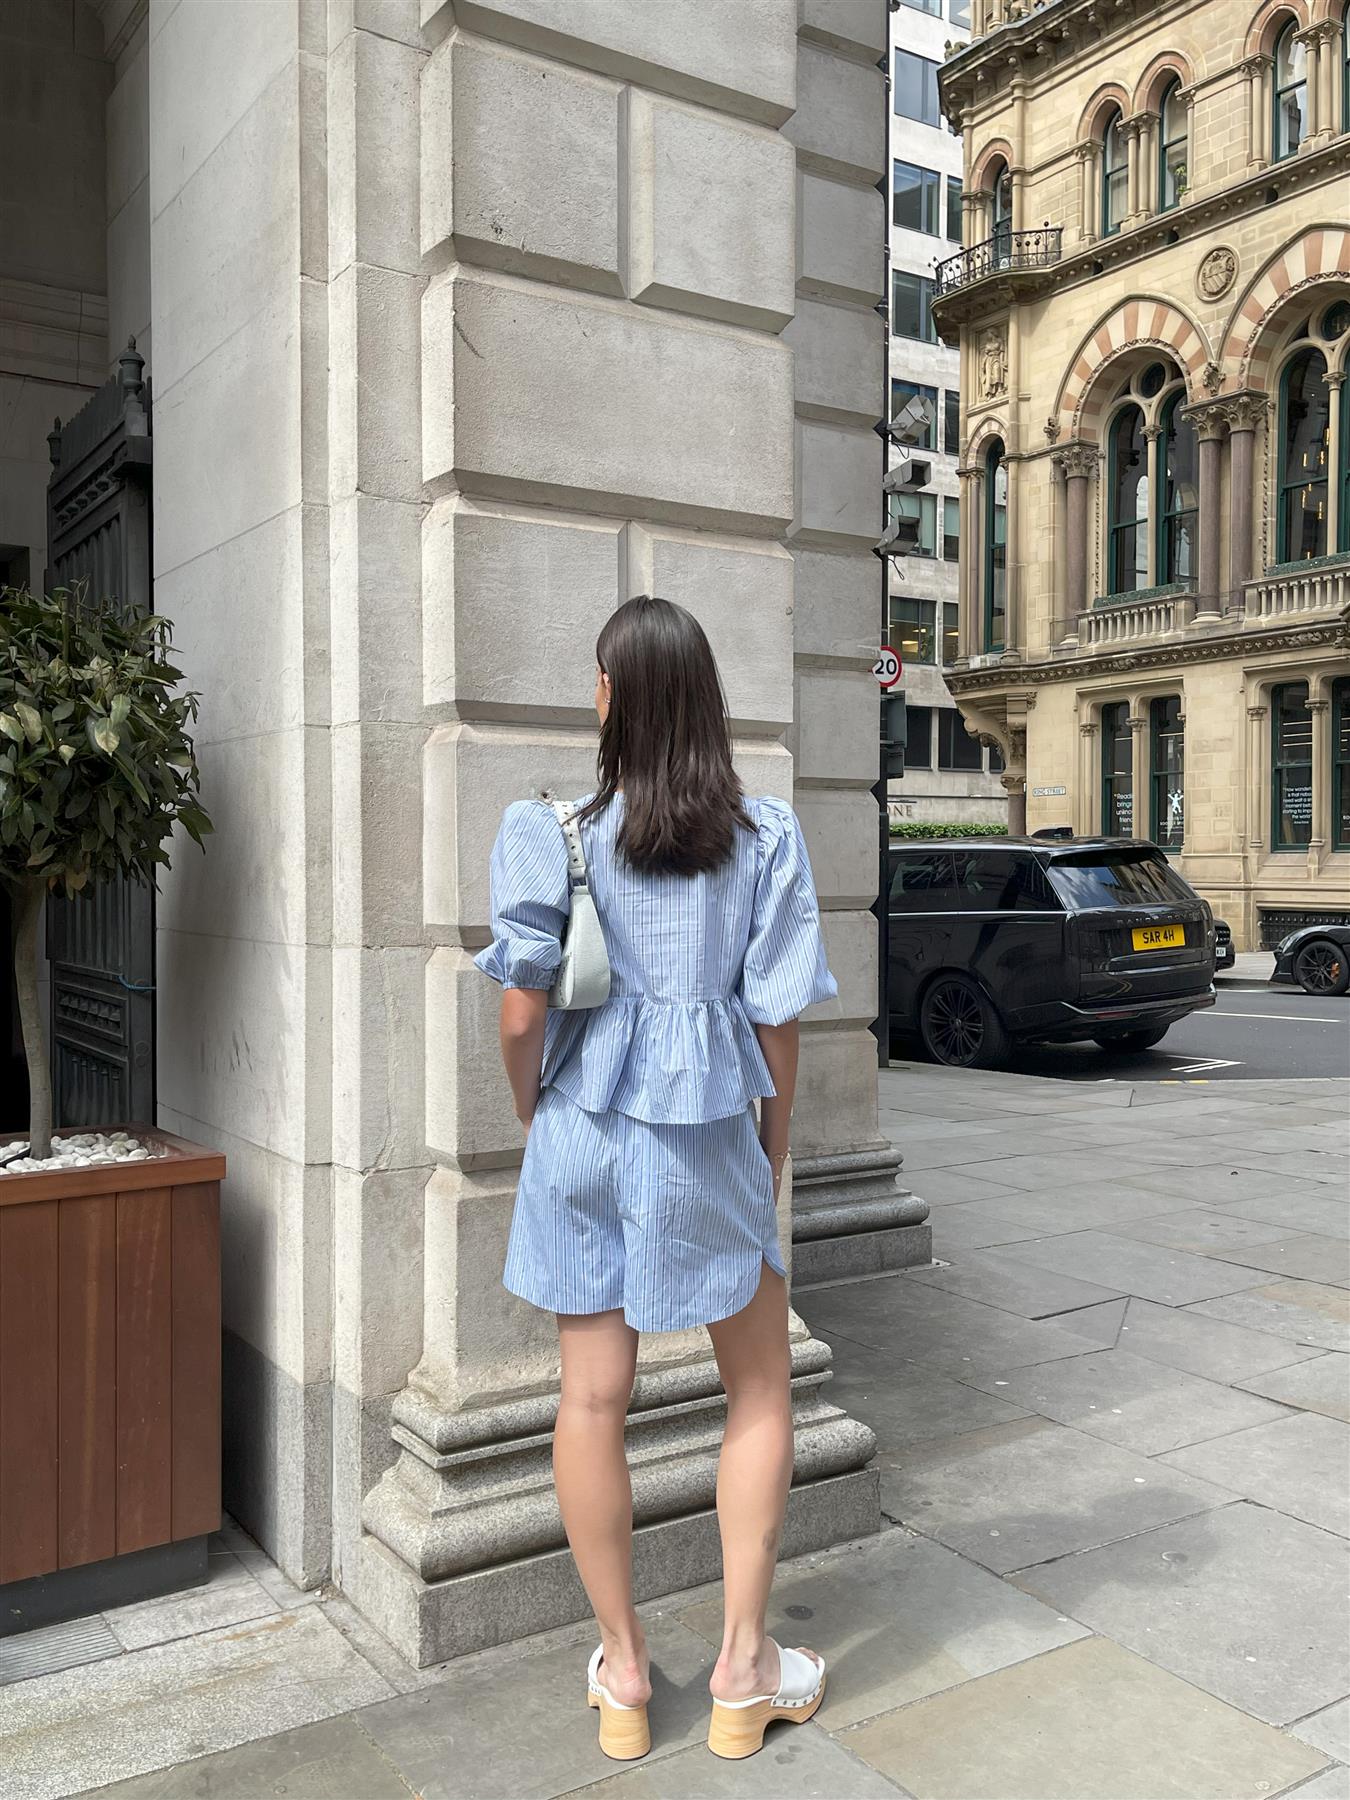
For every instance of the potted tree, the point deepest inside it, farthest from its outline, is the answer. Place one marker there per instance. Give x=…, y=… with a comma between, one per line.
x=109, y=1263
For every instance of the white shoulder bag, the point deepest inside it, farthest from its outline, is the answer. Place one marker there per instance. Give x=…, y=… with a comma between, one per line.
x=582, y=980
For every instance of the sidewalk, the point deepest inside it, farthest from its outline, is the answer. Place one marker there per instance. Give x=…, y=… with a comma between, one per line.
x=1251, y=968
x=1113, y=1457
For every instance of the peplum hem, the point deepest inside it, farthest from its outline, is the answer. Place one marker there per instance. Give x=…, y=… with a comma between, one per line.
x=668, y=1062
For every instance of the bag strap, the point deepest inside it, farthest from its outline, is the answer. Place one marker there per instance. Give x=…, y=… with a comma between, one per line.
x=566, y=813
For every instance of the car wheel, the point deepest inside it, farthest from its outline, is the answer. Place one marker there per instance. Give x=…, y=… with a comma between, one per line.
x=1134, y=1040
x=959, y=1027
x=1321, y=967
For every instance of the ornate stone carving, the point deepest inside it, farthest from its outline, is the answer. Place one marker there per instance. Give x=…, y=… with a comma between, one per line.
x=993, y=364
x=1077, y=458
x=1217, y=272
x=1243, y=412
x=1051, y=428
x=1211, y=378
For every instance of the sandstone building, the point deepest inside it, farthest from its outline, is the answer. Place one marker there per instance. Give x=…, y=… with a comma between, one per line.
x=456, y=324
x=1153, y=312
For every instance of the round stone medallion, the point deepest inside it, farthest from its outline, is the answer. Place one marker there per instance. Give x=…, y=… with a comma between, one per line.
x=1217, y=272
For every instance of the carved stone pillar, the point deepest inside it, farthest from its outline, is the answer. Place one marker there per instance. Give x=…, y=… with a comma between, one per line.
x=1312, y=40
x=1319, y=705
x=1254, y=73
x=1258, y=788
x=1078, y=463
x=1151, y=435
x=1086, y=154
x=1015, y=787
x=1084, y=822
x=1209, y=431
x=1335, y=380
x=1241, y=413
x=1130, y=130
x=1139, y=820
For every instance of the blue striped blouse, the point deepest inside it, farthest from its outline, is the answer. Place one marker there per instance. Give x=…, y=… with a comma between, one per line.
x=696, y=961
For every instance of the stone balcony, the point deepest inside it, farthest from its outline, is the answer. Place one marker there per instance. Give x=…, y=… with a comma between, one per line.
x=1314, y=590
x=1321, y=585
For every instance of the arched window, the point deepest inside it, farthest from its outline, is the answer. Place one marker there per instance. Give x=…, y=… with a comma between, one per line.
x=995, y=537
x=1305, y=433
x=1172, y=150
x=1127, y=520
x=1291, y=94
x=1178, y=492
x=1000, y=211
x=1115, y=174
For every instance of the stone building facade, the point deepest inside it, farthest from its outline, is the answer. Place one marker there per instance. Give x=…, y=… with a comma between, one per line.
x=461, y=325
x=1153, y=314
x=947, y=773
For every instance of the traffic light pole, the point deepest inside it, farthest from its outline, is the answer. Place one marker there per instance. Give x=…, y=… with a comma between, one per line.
x=882, y=1027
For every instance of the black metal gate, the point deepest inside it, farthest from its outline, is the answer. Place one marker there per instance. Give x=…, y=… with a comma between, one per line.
x=101, y=945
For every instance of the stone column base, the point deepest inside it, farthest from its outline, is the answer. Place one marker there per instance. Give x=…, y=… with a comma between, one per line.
x=850, y=1217
x=464, y=1545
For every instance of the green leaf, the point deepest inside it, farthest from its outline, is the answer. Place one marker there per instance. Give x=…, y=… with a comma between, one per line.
x=119, y=709
x=65, y=751
x=101, y=734
x=62, y=710
x=11, y=727
x=31, y=720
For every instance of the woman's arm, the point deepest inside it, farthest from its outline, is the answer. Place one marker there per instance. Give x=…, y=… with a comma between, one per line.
x=779, y=1044
x=524, y=1011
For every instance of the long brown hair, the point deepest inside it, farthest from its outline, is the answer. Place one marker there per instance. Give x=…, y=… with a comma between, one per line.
x=666, y=738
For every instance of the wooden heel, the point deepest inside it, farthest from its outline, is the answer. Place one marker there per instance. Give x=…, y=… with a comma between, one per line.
x=624, y=1731
x=738, y=1731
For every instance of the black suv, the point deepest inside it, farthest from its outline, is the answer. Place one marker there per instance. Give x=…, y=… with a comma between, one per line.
x=996, y=941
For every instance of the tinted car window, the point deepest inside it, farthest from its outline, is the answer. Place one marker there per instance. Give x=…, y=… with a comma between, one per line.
x=1113, y=878
x=923, y=881
x=1001, y=880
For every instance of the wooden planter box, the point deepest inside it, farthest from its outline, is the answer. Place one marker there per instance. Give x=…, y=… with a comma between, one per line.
x=109, y=1381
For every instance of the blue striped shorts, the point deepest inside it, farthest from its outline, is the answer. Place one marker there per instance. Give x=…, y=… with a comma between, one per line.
x=669, y=1222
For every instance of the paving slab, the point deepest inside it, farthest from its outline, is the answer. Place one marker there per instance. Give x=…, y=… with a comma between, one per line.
x=1080, y=1207
x=522, y=1730
x=231, y=1595
x=1171, y=1277
x=1036, y=1173
x=957, y=1228
x=1305, y=1311
x=1296, y=1464
x=1327, y=1730
x=995, y=1280
x=908, y=1403
x=1321, y=1384
x=333, y=1760
x=941, y=1188
x=61, y=1734
x=1129, y=1400
x=1327, y=1167
x=800, y=1760
x=1332, y=1784
x=1327, y=1215
x=1203, y=1229
x=1186, y=1338
x=1304, y=1256
x=1090, y=1721
x=925, y=1325
x=1221, y=1183
x=1017, y=1494
x=899, y=1618
x=1244, y=1602
x=1099, y=1323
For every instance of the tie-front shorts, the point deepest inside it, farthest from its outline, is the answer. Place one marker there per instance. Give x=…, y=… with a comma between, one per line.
x=670, y=1222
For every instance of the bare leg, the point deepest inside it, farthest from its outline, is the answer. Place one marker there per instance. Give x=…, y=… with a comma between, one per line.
x=595, y=1494
x=753, y=1477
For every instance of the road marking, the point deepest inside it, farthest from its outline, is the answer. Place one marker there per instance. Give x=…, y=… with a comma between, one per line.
x=1197, y=1067
x=1280, y=1018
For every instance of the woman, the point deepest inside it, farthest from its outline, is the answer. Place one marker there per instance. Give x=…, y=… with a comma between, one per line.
x=647, y=1202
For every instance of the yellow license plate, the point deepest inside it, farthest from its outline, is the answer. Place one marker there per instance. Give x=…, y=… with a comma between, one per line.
x=1158, y=937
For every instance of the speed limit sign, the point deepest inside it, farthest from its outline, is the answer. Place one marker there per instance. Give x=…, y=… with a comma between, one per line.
x=888, y=668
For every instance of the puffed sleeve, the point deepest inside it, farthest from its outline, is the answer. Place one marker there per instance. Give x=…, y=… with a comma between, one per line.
x=784, y=970
x=529, y=898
